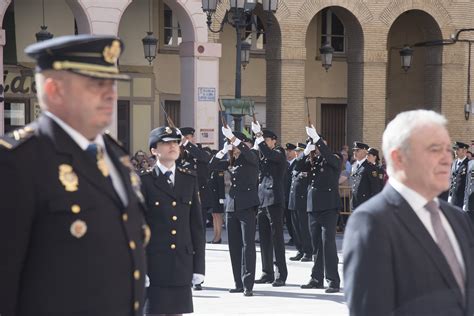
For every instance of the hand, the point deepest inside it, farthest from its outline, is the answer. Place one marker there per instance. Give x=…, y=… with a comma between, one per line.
x=309, y=148
x=226, y=147
x=227, y=132
x=311, y=131
x=197, y=278
x=256, y=128
x=147, y=281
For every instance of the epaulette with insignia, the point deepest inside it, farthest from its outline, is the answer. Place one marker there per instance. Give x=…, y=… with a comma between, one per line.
x=187, y=171
x=17, y=137
x=280, y=149
x=115, y=141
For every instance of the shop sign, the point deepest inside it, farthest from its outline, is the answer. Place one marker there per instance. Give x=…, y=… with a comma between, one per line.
x=206, y=94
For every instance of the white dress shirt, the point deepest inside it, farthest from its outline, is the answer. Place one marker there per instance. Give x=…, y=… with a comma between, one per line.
x=357, y=164
x=163, y=170
x=83, y=143
x=417, y=203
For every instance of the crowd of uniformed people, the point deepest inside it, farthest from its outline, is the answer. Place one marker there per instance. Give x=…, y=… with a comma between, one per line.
x=93, y=227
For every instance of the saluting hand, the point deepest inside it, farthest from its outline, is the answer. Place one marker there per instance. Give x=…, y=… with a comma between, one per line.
x=311, y=131
x=227, y=132
x=309, y=148
x=256, y=128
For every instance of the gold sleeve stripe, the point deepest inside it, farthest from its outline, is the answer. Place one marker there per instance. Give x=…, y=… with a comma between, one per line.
x=5, y=144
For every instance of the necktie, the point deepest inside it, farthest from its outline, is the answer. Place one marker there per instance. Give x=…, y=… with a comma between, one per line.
x=97, y=153
x=168, y=177
x=445, y=245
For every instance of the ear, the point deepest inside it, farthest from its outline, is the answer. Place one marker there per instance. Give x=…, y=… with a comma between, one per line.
x=154, y=152
x=53, y=91
x=397, y=158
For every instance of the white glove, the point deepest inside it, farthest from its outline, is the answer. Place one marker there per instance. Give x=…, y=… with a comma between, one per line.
x=197, y=278
x=309, y=148
x=185, y=142
x=311, y=131
x=256, y=128
x=258, y=140
x=147, y=281
x=225, y=148
x=227, y=132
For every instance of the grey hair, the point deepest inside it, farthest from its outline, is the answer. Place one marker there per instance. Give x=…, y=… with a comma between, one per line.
x=398, y=132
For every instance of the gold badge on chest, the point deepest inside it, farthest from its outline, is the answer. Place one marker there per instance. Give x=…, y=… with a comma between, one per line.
x=78, y=228
x=68, y=178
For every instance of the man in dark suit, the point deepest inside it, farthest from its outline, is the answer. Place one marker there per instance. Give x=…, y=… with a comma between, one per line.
x=299, y=216
x=291, y=155
x=458, y=174
x=75, y=236
x=406, y=252
x=177, y=245
x=365, y=183
x=272, y=199
x=241, y=208
x=324, y=202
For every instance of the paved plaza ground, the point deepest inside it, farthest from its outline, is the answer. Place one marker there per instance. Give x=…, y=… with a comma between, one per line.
x=267, y=300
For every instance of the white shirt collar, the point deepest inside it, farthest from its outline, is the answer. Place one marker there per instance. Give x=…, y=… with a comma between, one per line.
x=291, y=161
x=414, y=199
x=360, y=162
x=80, y=140
x=163, y=168
x=461, y=160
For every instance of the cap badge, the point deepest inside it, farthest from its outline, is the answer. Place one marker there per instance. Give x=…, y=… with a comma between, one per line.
x=78, y=228
x=168, y=130
x=68, y=178
x=112, y=52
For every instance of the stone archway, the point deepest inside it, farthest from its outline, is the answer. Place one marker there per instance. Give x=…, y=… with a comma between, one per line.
x=3, y=8
x=420, y=86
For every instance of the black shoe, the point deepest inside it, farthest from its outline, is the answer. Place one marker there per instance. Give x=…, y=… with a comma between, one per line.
x=264, y=279
x=217, y=241
x=236, y=290
x=313, y=284
x=198, y=287
x=332, y=290
x=290, y=243
x=298, y=257
x=248, y=292
x=306, y=258
x=278, y=283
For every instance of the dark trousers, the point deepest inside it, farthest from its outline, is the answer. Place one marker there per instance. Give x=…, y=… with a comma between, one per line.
x=241, y=234
x=302, y=237
x=471, y=216
x=323, y=236
x=270, y=230
x=289, y=223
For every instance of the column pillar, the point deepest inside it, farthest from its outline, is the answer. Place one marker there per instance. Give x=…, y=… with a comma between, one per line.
x=2, y=87
x=200, y=90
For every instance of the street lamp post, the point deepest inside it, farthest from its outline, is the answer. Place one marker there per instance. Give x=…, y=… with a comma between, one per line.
x=236, y=16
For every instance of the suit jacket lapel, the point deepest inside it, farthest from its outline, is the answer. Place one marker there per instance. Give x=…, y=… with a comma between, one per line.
x=80, y=161
x=416, y=228
x=162, y=183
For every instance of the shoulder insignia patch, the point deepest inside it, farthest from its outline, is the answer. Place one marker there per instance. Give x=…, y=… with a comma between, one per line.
x=187, y=171
x=17, y=137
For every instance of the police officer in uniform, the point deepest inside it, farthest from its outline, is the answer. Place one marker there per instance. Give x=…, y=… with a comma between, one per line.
x=217, y=187
x=458, y=175
x=195, y=158
x=177, y=245
x=373, y=159
x=270, y=214
x=299, y=217
x=291, y=154
x=323, y=207
x=468, y=205
x=74, y=238
x=241, y=208
x=365, y=180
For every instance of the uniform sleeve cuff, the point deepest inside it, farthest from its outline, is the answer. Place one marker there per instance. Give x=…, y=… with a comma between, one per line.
x=236, y=142
x=258, y=140
x=220, y=154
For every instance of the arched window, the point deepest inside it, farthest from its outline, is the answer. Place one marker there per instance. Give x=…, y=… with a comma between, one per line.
x=332, y=31
x=171, y=29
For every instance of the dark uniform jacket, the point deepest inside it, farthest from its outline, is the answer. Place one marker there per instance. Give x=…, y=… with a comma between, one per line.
x=365, y=183
x=197, y=159
x=288, y=180
x=458, y=183
x=469, y=190
x=323, y=171
x=243, y=191
x=217, y=186
x=177, y=244
x=298, y=190
x=70, y=246
x=392, y=265
x=272, y=171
